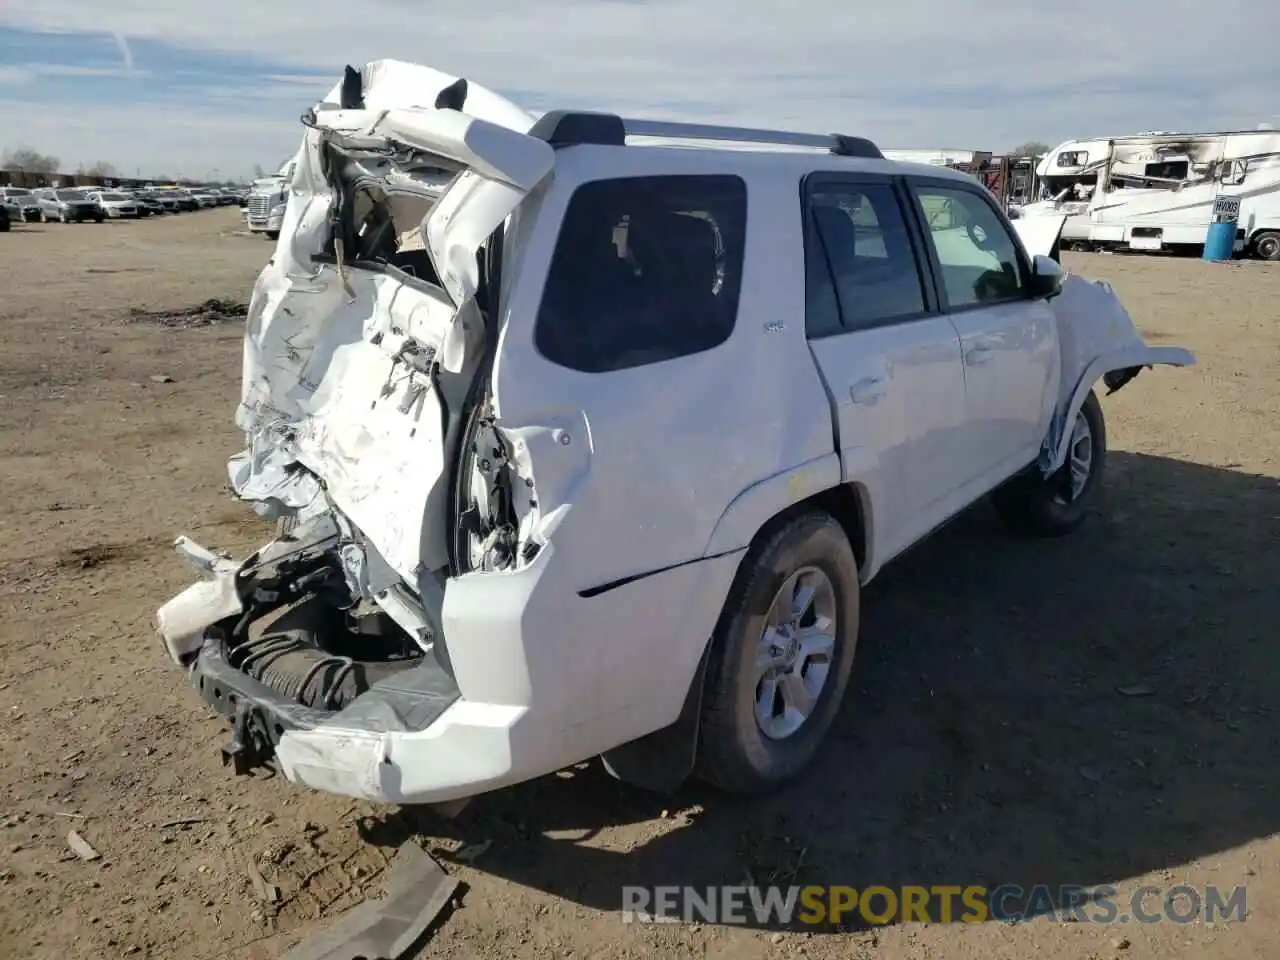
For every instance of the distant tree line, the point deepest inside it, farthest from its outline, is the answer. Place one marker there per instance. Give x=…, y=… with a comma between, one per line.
x=1032, y=148
x=28, y=160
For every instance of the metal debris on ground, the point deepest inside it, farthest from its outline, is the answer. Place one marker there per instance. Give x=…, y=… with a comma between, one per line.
x=81, y=847
x=473, y=851
x=264, y=891
x=387, y=929
x=207, y=314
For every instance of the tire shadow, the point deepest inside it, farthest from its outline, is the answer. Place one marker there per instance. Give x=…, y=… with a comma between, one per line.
x=1076, y=711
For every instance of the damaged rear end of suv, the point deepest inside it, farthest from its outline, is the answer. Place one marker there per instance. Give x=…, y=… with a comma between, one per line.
x=583, y=446
x=368, y=409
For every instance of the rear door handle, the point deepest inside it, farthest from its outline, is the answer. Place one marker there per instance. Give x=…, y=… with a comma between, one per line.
x=976, y=356
x=868, y=390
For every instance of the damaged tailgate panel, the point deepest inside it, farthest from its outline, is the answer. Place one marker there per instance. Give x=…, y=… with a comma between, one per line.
x=363, y=332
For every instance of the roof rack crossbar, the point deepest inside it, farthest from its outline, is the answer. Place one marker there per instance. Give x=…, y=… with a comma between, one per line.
x=566, y=128
x=834, y=142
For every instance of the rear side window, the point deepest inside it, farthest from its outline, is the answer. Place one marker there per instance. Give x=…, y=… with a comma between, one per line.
x=646, y=269
x=861, y=270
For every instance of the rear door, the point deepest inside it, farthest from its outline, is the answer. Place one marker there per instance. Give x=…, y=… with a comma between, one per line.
x=889, y=358
x=1007, y=338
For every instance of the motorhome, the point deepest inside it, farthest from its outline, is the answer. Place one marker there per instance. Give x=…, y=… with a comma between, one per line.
x=1156, y=191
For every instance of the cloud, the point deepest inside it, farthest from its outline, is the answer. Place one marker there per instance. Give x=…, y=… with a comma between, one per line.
x=978, y=74
x=125, y=53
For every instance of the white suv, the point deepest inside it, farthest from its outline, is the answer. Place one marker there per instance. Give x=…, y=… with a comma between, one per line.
x=587, y=447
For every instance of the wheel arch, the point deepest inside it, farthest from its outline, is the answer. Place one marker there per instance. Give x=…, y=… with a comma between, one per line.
x=1116, y=369
x=817, y=484
x=663, y=760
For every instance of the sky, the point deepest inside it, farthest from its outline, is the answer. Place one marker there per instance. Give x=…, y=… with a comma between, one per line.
x=178, y=88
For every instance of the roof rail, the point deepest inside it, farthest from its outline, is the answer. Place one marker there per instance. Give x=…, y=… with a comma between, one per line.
x=563, y=128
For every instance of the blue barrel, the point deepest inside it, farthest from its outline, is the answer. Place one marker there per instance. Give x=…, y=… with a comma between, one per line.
x=1220, y=241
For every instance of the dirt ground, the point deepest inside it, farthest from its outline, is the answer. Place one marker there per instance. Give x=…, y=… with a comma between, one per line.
x=1097, y=710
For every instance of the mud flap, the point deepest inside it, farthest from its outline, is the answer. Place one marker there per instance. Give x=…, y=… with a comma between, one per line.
x=663, y=760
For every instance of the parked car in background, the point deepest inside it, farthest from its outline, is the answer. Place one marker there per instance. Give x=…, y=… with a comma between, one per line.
x=165, y=199
x=115, y=204
x=186, y=201
x=148, y=206
x=20, y=204
x=67, y=205
x=204, y=199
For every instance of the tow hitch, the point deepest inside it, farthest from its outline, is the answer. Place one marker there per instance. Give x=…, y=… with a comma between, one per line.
x=250, y=745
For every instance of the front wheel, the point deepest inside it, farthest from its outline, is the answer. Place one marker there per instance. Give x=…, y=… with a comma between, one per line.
x=272, y=235
x=1052, y=506
x=1266, y=246
x=781, y=657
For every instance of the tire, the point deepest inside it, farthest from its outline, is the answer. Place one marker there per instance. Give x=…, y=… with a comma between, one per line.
x=1266, y=245
x=4, y=226
x=748, y=749
x=1040, y=506
x=272, y=235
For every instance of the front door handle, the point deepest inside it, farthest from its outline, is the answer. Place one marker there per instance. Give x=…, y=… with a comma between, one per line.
x=976, y=356
x=868, y=391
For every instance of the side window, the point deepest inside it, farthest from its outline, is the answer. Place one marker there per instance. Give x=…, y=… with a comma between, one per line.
x=861, y=270
x=977, y=254
x=646, y=269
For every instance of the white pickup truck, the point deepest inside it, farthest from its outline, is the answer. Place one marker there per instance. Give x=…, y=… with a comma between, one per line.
x=585, y=435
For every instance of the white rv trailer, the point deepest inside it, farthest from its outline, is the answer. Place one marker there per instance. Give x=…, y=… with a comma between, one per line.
x=1156, y=190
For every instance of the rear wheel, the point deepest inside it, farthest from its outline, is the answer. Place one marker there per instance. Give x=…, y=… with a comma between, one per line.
x=781, y=657
x=1052, y=506
x=1266, y=246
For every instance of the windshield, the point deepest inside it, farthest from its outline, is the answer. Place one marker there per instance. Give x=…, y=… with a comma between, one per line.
x=16, y=192
x=67, y=195
x=114, y=196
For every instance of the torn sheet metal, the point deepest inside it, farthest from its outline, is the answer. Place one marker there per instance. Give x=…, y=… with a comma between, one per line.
x=353, y=342
x=1097, y=336
x=387, y=929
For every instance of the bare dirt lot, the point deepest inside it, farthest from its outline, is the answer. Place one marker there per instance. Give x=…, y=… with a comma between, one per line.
x=1099, y=710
